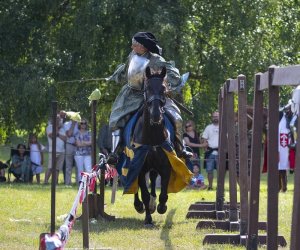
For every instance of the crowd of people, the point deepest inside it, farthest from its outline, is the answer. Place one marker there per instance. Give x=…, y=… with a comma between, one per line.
x=73, y=145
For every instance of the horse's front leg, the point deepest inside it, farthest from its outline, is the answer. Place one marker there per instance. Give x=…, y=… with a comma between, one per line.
x=138, y=205
x=145, y=198
x=163, y=197
x=152, y=204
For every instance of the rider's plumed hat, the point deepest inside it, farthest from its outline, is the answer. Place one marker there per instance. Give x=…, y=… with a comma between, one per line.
x=148, y=40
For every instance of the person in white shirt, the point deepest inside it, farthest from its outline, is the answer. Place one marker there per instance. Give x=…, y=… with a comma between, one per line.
x=60, y=148
x=211, y=137
x=71, y=128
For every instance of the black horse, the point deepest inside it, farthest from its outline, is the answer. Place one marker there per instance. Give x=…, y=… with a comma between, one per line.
x=150, y=130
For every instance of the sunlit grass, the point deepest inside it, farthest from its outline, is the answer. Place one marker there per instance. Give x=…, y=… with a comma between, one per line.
x=25, y=213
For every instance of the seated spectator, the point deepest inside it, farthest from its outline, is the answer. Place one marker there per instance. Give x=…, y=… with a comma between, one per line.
x=21, y=166
x=36, y=156
x=197, y=181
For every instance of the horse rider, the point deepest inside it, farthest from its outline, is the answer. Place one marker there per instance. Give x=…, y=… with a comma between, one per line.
x=145, y=52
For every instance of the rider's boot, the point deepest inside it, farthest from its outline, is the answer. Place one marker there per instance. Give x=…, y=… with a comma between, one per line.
x=175, y=116
x=181, y=150
x=113, y=156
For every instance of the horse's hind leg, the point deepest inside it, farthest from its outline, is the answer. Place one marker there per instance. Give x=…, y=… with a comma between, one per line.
x=145, y=198
x=138, y=205
x=152, y=204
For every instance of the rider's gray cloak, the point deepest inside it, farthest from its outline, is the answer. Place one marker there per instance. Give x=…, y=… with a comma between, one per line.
x=131, y=96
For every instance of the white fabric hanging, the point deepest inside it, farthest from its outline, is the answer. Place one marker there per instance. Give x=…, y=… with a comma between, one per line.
x=283, y=142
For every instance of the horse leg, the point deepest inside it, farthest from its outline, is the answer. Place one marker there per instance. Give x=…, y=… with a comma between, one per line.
x=152, y=205
x=145, y=198
x=138, y=205
x=163, y=197
x=153, y=175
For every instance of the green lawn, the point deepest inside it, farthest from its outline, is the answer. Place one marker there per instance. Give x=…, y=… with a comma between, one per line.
x=25, y=213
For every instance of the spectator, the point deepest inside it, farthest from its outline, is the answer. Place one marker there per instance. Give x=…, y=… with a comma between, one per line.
x=285, y=144
x=60, y=148
x=21, y=164
x=36, y=156
x=197, y=181
x=71, y=128
x=105, y=140
x=211, y=137
x=84, y=149
x=191, y=139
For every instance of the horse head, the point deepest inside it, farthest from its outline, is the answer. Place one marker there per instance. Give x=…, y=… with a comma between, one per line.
x=155, y=95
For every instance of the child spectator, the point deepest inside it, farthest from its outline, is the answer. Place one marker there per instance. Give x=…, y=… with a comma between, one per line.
x=36, y=156
x=197, y=181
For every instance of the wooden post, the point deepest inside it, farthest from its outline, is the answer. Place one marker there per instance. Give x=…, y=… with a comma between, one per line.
x=243, y=152
x=295, y=232
x=273, y=185
x=222, y=153
x=257, y=128
x=233, y=211
x=85, y=222
x=91, y=200
x=53, y=166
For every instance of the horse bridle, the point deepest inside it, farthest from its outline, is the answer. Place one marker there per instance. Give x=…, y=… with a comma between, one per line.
x=149, y=100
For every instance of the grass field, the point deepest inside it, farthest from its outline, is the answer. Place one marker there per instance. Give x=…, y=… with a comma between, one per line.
x=25, y=213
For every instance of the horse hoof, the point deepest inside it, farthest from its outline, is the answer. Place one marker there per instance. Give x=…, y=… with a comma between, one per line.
x=139, y=207
x=152, y=204
x=161, y=209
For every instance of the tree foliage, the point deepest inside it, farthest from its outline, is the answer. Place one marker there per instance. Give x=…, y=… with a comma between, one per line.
x=46, y=43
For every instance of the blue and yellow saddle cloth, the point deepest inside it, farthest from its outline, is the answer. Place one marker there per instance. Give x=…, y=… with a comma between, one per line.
x=132, y=160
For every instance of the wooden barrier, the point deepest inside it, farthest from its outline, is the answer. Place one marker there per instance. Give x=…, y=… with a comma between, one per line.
x=227, y=145
x=234, y=224
x=295, y=230
x=218, y=209
x=273, y=79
